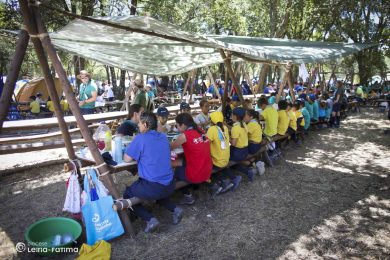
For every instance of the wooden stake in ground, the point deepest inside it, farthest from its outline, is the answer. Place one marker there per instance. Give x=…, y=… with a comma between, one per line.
x=102, y=166
x=13, y=72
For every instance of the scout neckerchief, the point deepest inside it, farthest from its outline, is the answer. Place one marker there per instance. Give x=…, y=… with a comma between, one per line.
x=222, y=138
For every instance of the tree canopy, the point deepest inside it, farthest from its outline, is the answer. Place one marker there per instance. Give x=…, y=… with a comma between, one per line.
x=357, y=21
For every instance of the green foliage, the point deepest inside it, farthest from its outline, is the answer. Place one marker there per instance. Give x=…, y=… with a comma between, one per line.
x=360, y=21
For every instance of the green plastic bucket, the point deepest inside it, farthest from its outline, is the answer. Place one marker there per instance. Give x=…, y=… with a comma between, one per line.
x=39, y=236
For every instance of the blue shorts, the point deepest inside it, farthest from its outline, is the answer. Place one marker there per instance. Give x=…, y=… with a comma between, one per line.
x=147, y=190
x=336, y=107
x=238, y=154
x=253, y=148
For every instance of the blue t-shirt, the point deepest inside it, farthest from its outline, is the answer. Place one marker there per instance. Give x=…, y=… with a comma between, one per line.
x=152, y=152
x=306, y=116
x=315, y=110
x=309, y=108
x=271, y=100
x=322, y=112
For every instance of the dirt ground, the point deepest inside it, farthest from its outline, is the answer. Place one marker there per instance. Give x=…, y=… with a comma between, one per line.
x=332, y=201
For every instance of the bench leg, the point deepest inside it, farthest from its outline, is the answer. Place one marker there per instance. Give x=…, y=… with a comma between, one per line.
x=267, y=160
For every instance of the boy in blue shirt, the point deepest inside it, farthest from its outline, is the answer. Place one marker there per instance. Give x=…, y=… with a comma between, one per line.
x=152, y=152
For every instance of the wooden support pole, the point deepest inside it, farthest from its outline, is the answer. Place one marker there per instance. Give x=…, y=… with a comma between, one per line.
x=228, y=65
x=103, y=168
x=30, y=24
x=212, y=81
x=290, y=83
x=225, y=91
x=283, y=83
x=13, y=72
x=190, y=75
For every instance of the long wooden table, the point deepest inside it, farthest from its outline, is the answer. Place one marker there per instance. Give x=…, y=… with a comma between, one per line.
x=52, y=122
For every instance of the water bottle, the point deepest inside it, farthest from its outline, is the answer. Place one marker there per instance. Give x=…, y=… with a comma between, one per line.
x=118, y=150
x=107, y=140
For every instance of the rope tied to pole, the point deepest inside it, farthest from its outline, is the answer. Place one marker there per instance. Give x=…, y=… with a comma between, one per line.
x=34, y=3
x=40, y=36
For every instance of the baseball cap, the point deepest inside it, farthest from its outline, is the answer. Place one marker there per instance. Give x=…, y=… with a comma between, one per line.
x=184, y=105
x=239, y=111
x=216, y=117
x=162, y=111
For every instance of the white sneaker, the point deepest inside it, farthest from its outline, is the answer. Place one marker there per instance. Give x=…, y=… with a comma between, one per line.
x=260, y=167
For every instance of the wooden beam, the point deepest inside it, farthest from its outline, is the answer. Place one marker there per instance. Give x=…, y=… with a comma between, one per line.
x=103, y=167
x=228, y=65
x=212, y=81
x=29, y=22
x=291, y=84
x=283, y=83
x=13, y=72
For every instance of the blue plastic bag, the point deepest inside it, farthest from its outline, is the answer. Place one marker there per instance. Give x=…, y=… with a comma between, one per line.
x=100, y=219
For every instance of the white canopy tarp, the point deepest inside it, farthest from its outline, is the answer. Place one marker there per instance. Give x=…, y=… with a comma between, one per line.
x=149, y=54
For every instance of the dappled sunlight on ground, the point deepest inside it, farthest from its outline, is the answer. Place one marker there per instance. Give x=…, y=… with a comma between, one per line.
x=361, y=232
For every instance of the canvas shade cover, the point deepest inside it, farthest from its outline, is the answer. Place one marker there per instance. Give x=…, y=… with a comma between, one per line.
x=147, y=54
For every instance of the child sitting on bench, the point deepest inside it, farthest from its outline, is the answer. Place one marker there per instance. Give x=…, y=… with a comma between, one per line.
x=197, y=166
x=239, y=142
x=151, y=151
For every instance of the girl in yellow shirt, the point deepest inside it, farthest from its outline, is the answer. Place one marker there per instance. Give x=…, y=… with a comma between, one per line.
x=254, y=131
x=292, y=126
x=218, y=135
x=239, y=142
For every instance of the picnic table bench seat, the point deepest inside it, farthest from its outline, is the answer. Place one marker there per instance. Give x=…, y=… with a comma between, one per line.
x=128, y=203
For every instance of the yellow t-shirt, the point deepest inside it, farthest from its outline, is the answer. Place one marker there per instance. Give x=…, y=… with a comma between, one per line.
x=293, y=120
x=241, y=134
x=50, y=106
x=271, y=121
x=298, y=114
x=219, y=156
x=254, y=131
x=35, y=107
x=283, y=122
x=64, y=105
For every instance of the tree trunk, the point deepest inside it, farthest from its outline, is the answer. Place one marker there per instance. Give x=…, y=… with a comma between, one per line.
x=122, y=86
x=108, y=74
x=262, y=76
x=113, y=78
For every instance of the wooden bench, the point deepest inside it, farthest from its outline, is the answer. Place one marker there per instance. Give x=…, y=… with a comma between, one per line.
x=128, y=203
x=28, y=147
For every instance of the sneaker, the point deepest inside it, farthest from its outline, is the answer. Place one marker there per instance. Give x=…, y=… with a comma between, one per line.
x=236, y=182
x=177, y=215
x=215, y=190
x=226, y=186
x=188, y=199
x=251, y=174
x=151, y=225
x=260, y=167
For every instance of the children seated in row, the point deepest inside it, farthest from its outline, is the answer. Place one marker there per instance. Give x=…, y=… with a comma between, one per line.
x=156, y=182
x=197, y=165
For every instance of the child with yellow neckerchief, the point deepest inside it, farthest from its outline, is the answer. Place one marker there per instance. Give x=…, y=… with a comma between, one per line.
x=218, y=135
